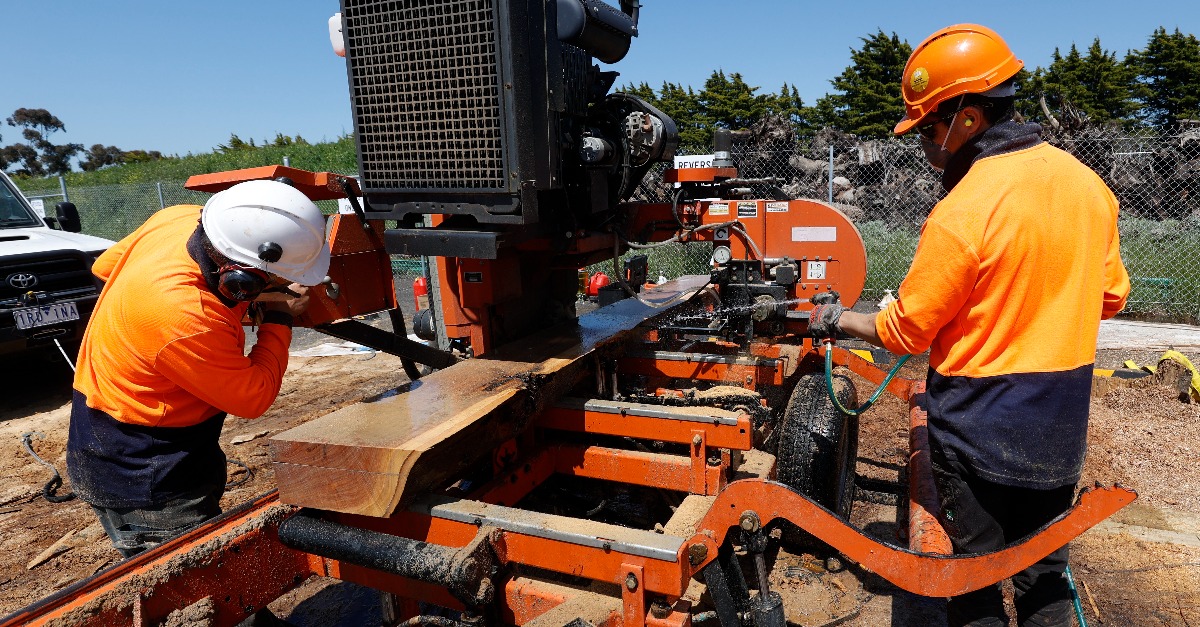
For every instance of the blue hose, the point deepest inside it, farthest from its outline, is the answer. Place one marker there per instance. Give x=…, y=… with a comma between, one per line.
x=874, y=397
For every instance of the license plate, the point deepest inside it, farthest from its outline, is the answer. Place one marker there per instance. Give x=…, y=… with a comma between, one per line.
x=46, y=314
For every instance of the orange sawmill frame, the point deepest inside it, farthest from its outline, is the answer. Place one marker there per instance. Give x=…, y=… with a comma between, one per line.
x=238, y=563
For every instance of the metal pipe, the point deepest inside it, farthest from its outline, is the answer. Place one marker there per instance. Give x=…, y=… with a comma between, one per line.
x=831, y=174
x=62, y=184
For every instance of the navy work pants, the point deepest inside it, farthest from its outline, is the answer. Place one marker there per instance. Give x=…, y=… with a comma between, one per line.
x=981, y=517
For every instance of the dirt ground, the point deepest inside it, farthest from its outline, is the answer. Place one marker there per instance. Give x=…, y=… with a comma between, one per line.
x=1140, y=568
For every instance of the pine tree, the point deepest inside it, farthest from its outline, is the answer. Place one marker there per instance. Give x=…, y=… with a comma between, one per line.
x=1168, y=73
x=729, y=102
x=1096, y=84
x=788, y=104
x=868, y=101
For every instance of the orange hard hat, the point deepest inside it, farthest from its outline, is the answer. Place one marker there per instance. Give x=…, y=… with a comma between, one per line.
x=957, y=60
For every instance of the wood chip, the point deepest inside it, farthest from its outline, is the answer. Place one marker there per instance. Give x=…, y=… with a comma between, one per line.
x=98, y=566
x=242, y=439
x=1091, y=601
x=61, y=546
x=18, y=494
x=73, y=539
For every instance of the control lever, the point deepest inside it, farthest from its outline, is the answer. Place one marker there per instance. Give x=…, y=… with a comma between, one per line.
x=332, y=290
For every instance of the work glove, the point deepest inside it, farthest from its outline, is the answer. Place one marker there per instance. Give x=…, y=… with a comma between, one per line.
x=826, y=298
x=823, y=320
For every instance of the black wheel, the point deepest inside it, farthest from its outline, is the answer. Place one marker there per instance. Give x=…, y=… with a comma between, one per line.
x=818, y=445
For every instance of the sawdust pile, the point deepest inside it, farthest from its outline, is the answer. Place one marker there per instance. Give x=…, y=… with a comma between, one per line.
x=1146, y=439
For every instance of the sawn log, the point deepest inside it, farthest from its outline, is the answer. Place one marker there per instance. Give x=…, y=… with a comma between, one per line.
x=371, y=457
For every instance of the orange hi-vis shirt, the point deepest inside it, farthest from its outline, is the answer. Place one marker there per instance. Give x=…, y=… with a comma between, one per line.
x=161, y=349
x=1014, y=270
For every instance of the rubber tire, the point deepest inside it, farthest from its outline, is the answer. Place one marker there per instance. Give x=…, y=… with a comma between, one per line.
x=818, y=447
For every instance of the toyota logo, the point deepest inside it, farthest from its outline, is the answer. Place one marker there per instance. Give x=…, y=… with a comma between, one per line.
x=22, y=280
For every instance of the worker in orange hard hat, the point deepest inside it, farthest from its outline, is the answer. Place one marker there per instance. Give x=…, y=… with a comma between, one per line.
x=1013, y=272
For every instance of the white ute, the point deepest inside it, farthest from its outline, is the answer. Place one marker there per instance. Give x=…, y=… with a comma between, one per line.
x=47, y=290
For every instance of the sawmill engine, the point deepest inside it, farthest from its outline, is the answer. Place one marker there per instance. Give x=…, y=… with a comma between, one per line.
x=492, y=114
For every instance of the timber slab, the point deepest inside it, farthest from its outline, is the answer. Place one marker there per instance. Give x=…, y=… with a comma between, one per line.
x=373, y=456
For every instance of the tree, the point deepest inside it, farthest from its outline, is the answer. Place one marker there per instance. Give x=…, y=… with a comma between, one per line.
x=868, y=101
x=235, y=144
x=23, y=155
x=99, y=156
x=1096, y=84
x=1167, y=71
x=730, y=102
x=39, y=157
x=787, y=103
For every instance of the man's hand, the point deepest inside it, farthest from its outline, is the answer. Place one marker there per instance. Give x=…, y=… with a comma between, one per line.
x=291, y=305
x=823, y=321
x=826, y=298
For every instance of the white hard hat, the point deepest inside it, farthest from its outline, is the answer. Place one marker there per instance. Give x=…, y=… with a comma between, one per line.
x=271, y=226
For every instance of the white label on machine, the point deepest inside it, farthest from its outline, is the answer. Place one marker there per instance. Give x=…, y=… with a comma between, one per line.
x=693, y=161
x=777, y=207
x=344, y=205
x=39, y=206
x=747, y=209
x=718, y=209
x=814, y=233
x=816, y=271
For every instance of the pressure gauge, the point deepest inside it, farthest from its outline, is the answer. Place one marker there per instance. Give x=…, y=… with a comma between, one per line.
x=721, y=255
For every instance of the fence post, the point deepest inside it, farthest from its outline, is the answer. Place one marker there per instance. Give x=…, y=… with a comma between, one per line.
x=831, y=174
x=162, y=204
x=287, y=161
x=62, y=184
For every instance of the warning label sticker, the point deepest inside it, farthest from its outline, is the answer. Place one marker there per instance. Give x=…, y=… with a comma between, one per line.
x=747, y=209
x=777, y=207
x=718, y=209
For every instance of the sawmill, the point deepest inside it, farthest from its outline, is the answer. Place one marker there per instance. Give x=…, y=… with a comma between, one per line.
x=643, y=462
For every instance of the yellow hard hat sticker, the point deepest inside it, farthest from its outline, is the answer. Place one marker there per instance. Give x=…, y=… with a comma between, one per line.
x=919, y=80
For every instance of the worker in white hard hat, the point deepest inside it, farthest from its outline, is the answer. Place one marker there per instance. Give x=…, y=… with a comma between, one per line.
x=163, y=359
x=1013, y=272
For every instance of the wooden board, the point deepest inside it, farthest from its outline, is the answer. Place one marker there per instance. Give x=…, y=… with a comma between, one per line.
x=370, y=457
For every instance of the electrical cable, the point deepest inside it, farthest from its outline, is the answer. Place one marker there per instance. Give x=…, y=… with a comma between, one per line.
x=874, y=397
x=237, y=482
x=52, y=486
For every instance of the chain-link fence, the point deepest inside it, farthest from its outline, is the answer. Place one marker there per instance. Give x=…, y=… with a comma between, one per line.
x=887, y=189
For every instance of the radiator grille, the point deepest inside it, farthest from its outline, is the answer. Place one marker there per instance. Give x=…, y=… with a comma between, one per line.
x=425, y=88
x=54, y=274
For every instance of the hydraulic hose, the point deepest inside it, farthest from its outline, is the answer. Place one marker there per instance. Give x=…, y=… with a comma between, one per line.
x=1075, y=597
x=874, y=397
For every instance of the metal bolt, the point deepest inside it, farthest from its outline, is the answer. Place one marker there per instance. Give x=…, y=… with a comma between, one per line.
x=659, y=609
x=833, y=564
x=749, y=521
x=697, y=440
x=697, y=553
x=631, y=582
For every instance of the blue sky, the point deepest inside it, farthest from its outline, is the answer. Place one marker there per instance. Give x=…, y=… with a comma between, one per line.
x=181, y=76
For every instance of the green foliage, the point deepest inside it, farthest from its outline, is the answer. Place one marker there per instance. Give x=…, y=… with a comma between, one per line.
x=1096, y=84
x=868, y=101
x=338, y=156
x=728, y=102
x=725, y=102
x=1168, y=76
